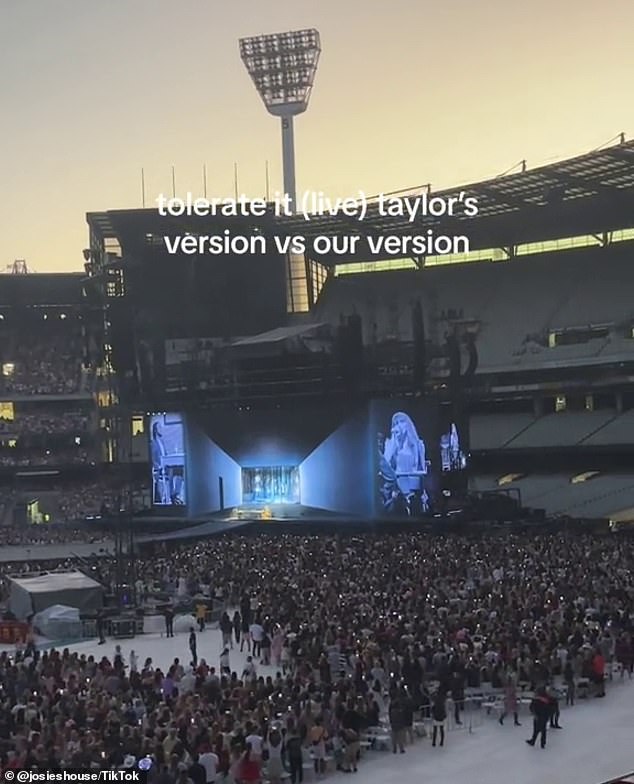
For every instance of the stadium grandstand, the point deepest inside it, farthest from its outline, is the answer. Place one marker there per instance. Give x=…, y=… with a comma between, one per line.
x=55, y=443
x=533, y=329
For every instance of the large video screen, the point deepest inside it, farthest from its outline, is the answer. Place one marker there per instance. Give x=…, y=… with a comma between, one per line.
x=395, y=457
x=168, y=460
x=453, y=441
x=406, y=474
x=316, y=457
x=419, y=456
x=271, y=485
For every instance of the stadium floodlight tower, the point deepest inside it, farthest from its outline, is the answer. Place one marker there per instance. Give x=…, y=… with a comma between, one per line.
x=282, y=67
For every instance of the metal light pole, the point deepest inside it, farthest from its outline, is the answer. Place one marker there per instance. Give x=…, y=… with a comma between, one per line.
x=283, y=67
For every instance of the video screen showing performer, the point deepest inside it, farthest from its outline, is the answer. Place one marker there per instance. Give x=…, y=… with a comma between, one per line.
x=403, y=469
x=270, y=485
x=167, y=450
x=452, y=456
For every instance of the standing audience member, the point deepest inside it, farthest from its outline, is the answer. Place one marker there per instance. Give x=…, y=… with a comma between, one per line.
x=237, y=624
x=318, y=737
x=569, y=680
x=274, y=765
x=397, y=724
x=541, y=709
x=256, y=633
x=210, y=763
x=201, y=615
x=250, y=768
x=510, y=701
x=457, y=693
x=193, y=646
x=554, y=709
x=294, y=755
x=225, y=667
x=226, y=628
x=101, y=627
x=598, y=672
x=169, y=621
x=439, y=717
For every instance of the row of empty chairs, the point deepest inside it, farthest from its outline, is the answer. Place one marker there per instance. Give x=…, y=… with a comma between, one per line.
x=512, y=300
x=525, y=431
x=598, y=497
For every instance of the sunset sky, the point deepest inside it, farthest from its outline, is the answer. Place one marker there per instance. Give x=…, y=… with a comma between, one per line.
x=408, y=92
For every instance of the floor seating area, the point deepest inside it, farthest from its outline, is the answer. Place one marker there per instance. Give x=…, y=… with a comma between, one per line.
x=480, y=705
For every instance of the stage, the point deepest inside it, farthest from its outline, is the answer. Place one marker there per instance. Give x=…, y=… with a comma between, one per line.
x=250, y=519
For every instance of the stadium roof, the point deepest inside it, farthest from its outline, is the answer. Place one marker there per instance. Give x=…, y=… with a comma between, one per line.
x=41, y=288
x=589, y=194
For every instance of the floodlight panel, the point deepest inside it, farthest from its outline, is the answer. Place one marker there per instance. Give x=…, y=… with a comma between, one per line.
x=280, y=42
x=282, y=67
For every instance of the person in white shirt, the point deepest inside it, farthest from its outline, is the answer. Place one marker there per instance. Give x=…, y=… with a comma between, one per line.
x=285, y=658
x=250, y=671
x=19, y=706
x=377, y=695
x=210, y=763
x=274, y=765
x=257, y=635
x=187, y=683
x=139, y=709
x=378, y=673
x=255, y=740
x=74, y=744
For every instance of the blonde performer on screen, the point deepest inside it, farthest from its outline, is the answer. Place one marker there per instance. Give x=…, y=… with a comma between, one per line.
x=404, y=453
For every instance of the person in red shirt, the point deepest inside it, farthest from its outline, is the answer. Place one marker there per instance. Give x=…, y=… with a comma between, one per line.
x=598, y=673
x=249, y=770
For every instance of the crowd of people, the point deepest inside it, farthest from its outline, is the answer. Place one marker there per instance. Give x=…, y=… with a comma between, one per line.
x=46, y=423
x=76, y=455
x=354, y=631
x=46, y=534
x=45, y=362
x=102, y=497
x=66, y=506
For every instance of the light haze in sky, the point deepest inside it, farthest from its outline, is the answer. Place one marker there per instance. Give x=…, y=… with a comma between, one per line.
x=408, y=92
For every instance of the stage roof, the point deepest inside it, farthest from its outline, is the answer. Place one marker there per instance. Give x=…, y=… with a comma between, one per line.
x=589, y=194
